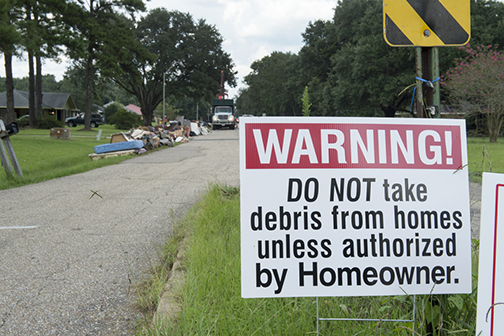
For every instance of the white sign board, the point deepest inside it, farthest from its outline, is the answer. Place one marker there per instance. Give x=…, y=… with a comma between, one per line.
x=491, y=267
x=353, y=207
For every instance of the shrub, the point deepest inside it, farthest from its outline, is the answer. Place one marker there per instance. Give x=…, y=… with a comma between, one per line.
x=111, y=110
x=24, y=122
x=124, y=119
x=47, y=122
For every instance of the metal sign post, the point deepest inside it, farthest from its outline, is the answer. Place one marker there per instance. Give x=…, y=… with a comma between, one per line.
x=427, y=25
x=4, y=155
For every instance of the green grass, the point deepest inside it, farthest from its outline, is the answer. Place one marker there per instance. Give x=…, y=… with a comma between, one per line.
x=484, y=157
x=212, y=304
x=42, y=158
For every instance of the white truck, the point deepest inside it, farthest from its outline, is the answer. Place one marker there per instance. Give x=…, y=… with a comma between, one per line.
x=223, y=114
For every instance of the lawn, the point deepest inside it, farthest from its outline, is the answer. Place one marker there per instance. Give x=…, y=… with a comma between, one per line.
x=484, y=157
x=42, y=158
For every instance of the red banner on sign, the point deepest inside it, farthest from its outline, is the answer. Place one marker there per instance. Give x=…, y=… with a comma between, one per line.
x=352, y=146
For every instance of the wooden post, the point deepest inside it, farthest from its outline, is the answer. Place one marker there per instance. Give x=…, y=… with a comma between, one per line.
x=5, y=159
x=427, y=91
x=10, y=150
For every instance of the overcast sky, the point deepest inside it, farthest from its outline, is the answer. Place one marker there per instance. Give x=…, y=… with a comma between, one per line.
x=251, y=29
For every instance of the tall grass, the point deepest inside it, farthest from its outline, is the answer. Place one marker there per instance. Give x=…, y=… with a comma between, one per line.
x=212, y=304
x=484, y=157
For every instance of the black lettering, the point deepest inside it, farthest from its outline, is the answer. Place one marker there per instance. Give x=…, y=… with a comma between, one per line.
x=357, y=190
x=391, y=279
x=299, y=246
x=303, y=273
x=349, y=271
x=356, y=224
x=370, y=273
x=398, y=247
x=444, y=217
x=259, y=273
x=429, y=215
x=426, y=242
x=437, y=247
x=399, y=218
x=364, y=252
x=285, y=219
x=405, y=275
x=385, y=190
x=312, y=246
x=263, y=254
x=316, y=223
x=419, y=274
x=456, y=218
x=451, y=245
x=409, y=191
x=348, y=251
x=270, y=218
x=277, y=244
x=397, y=194
x=422, y=192
x=338, y=189
x=332, y=276
x=438, y=272
x=291, y=197
x=368, y=182
x=256, y=214
x=327, y=253
x=315, y=190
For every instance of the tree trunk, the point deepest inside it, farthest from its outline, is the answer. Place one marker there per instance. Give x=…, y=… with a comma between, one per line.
x=494, y=123
x=31, y=89
x=89, y=92
x=9, y=89
x=147, y=115
x=38, y=87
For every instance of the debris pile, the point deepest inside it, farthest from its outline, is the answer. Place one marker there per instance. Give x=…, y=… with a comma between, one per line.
x=145, y=138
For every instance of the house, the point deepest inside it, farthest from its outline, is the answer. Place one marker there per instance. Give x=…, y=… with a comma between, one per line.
x=54, y=103
x=135, y=109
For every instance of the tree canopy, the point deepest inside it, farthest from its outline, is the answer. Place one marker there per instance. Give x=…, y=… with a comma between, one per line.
x=348, y=67
x=189, y=60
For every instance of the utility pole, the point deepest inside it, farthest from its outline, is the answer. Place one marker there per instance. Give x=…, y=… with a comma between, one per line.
x=164, y=86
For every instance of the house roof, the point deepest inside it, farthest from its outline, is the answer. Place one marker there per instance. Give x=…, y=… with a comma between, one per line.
x=134, y=108
x=50, y=100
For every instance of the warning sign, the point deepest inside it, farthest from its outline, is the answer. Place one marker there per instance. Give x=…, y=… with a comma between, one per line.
x=426, y=23
x=353, y=207
x=491, y=264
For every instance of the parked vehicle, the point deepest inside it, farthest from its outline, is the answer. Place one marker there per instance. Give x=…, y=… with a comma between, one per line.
x=223, y=109
x=223, y=114
x=96, y=120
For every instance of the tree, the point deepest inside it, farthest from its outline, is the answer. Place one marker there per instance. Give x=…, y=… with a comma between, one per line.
x=306, y=102
x=366, y=74
x=10, y=38
x=349, y=68
x=477, y=83
x=106, y=38
x=190, y=57
x=44, y=32
x=274, y=86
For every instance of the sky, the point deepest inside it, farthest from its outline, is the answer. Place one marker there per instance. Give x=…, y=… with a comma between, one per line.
x=251, y=29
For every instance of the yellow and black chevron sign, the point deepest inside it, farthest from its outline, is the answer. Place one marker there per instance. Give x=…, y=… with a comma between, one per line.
x=426, y=23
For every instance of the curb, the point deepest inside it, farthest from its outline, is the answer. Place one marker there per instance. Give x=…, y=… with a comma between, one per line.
x=170, y=304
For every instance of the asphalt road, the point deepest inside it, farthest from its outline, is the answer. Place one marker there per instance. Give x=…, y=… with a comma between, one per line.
x=69, y=262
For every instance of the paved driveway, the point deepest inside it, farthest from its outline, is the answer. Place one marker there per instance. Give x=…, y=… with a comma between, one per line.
x=69, y=263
